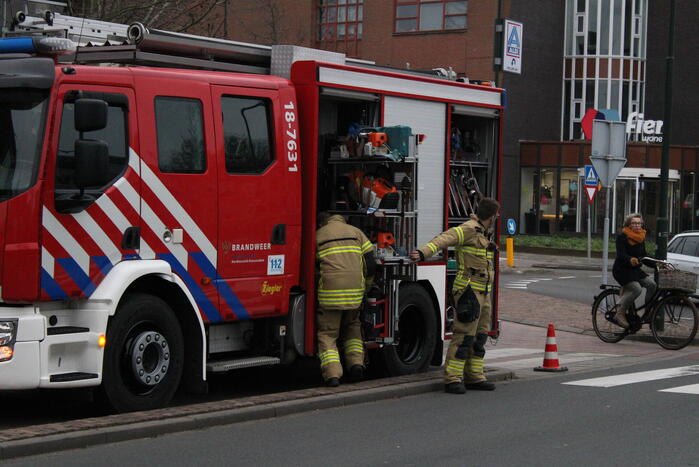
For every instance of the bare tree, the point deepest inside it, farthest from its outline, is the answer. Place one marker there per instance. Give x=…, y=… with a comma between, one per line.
x=198, y=16
x=267, y=21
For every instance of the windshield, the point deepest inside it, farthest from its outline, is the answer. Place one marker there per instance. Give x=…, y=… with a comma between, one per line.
x=22, y=115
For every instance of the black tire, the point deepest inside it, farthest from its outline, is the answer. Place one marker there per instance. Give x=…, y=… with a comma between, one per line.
x=674, y=322
x=417, y=329
x=603, y=308
x=143, y=358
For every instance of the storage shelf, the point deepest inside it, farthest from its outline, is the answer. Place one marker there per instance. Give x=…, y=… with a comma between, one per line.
x=484, y=164
x=372, y=160
x=377, y=213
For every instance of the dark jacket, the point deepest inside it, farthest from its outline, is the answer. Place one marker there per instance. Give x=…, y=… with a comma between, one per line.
x=623, y=271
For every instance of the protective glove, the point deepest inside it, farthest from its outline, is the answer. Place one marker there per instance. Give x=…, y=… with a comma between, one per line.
x=417, y=256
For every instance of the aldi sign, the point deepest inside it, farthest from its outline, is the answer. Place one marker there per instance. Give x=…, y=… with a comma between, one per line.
x=512, y=53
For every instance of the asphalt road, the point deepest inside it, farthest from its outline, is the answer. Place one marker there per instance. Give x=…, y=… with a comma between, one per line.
x=524, y=422
x=575, y=285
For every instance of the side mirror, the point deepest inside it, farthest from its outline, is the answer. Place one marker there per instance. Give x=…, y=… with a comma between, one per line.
x=90, y=114
x=91, y=163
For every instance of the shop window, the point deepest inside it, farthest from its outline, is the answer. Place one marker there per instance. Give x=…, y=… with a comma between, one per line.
x=568, y=196
x=180, y=131
x=430, y=15
x=340, y=19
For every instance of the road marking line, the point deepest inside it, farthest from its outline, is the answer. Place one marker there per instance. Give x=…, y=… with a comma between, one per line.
x=689, y=389
x=599, y=275
x=566, y=277
x=518, y=287
x=640, y=377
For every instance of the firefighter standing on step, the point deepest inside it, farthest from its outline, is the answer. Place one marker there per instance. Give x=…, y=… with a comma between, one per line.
x=345, y=256
x=472, y=288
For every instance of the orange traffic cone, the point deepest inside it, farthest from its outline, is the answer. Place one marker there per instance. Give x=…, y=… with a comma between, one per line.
x=551, y=353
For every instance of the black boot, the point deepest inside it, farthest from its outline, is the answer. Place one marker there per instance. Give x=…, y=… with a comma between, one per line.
x=482, y=386
x=332, y=382
x=356, y=373
x=454, y=388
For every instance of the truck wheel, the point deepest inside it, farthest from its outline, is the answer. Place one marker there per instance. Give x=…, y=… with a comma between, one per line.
x=416, y=333
x=144, y=355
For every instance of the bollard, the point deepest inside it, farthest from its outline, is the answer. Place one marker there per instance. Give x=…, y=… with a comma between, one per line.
x=510, y=246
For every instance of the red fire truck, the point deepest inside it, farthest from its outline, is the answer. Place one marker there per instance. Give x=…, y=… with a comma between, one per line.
x=158, y=200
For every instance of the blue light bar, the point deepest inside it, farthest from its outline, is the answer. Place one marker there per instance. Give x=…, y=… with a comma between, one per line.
x=17, y=45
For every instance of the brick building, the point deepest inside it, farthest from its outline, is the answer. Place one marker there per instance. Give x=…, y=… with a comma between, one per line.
x=577, y=55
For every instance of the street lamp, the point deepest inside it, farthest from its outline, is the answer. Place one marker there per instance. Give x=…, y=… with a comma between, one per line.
x=661, y=241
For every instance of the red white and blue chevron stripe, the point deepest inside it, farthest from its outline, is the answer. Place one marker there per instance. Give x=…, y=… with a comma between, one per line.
x=80, y=249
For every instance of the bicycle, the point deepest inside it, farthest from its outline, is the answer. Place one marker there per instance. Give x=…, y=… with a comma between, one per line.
x=670, y=313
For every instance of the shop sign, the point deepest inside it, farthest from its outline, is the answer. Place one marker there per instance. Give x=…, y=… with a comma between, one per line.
x=512, y=53
x=650, y=131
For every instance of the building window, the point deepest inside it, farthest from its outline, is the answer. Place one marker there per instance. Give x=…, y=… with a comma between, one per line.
x=430, y=15
x=340, y=19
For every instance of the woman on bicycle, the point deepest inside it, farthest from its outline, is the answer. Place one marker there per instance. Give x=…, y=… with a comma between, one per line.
x=630, y=248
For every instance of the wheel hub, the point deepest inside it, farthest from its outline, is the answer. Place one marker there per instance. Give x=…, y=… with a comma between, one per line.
x=150, y=357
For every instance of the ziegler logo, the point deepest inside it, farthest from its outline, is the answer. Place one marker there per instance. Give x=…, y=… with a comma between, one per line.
x=270, y=289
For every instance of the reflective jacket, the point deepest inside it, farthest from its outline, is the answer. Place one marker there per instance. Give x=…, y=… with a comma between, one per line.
x=474, y=261
x=341, y=250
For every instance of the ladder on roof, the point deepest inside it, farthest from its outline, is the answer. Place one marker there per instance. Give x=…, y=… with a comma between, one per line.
x=82, y=31
x=135, y=44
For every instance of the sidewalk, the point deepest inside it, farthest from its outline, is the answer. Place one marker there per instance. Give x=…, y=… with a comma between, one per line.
x=539, y=310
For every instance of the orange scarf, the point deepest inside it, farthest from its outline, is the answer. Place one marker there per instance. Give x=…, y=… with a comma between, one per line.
x=634, y=237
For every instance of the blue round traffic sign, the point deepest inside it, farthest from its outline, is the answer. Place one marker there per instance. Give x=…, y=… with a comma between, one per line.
x=511, y=226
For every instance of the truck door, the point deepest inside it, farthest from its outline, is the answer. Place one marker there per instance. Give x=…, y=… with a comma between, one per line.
x=84, y=236
x=179, y=200
x=258, y=206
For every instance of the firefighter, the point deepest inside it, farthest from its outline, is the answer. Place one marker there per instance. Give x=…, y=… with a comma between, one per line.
x=472, y=295
x=345, y=256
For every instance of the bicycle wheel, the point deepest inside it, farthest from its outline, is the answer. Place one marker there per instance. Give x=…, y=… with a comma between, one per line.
x=674, y=322
x=603, y=310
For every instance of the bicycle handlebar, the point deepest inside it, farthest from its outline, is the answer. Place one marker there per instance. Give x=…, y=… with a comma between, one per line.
x=658, y=262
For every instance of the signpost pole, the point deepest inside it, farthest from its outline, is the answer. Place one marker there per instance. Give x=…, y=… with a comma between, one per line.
x=608, y=157
x=589, y=232
x=605, y=238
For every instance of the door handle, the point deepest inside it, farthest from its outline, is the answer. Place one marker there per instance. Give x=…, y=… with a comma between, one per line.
x=279, y=234
x=131, y=239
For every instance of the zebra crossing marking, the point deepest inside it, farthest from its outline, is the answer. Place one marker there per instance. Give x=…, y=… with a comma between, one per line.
x=523, y=283
x=689, y=389
x=639, y=377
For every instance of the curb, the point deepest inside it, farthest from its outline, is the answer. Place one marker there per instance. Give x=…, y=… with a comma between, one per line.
x=126, y=431
x=588, y=332
x=541, y=325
